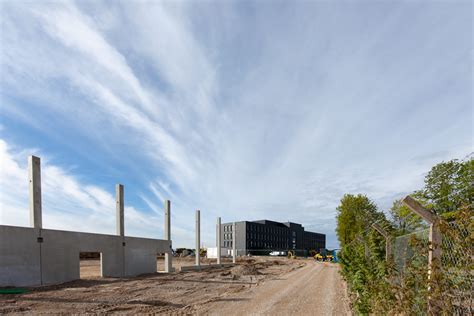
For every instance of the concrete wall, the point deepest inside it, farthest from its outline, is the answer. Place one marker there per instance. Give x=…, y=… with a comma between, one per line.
x=140, y=254
x=241, y=236
x=31, y=256
x=19, y=256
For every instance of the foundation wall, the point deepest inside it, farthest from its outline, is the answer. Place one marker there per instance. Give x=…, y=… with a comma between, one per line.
x=30, y=256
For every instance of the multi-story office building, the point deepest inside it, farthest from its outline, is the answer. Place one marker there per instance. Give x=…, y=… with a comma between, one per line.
x=265, y=235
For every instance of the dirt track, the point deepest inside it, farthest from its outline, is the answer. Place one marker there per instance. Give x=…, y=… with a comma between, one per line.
x=315, y=289
x=257, y=285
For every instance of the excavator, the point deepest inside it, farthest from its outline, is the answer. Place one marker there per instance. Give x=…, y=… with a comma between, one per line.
x=324, y=257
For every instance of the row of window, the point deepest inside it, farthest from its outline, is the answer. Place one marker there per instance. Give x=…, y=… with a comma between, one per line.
x=266, y=245
x=227, y=243
x=266, y=237
x=265, y=229
x=228, y=228
x=228, y=236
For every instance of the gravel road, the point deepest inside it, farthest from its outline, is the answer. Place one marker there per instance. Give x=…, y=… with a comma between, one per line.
x=315, y=289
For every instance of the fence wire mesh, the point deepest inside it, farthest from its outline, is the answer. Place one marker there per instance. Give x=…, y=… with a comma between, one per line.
x=410, y=254
x=410, y=248
x=456, y=266
x=454, y=281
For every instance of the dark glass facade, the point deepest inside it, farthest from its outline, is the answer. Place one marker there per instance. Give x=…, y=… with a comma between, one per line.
x=273, y=236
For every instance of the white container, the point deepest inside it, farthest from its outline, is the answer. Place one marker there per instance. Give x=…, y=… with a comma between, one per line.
x=212, y=252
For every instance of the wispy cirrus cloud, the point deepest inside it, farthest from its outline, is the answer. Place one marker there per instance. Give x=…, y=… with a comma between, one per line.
x=68, y=203
x=224, y=108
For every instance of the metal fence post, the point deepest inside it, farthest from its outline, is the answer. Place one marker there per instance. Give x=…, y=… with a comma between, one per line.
x=388, y=241
x=366, y=248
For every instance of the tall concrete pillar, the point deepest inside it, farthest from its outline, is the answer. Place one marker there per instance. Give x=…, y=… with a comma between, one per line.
x=119, y=224
x=218, y=240
x=34, y=175
x=120, y=227
x=234, y=248
x=198, y=238
x=168, y=255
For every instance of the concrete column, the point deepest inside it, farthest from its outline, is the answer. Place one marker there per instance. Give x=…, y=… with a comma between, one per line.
x=434, y=236
x=168, y=255
x=120, y=227
x=234, y=248
x=34, y=175
x=435, y=243
x=388, y=240
x=218, y=240
x=119, y=224
x=198, y=238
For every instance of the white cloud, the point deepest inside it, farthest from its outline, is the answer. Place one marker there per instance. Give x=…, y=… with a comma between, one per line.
x=241, y=117
x=67, y=202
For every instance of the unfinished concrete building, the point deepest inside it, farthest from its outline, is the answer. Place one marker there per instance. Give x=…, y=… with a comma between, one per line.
x=31, y=256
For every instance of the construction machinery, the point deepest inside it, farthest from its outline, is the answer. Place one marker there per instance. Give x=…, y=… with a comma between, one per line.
x=291, y=255
x=324, y=257
x=319, y=257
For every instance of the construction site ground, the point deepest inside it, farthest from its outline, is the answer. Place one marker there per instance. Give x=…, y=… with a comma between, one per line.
x=256, y=285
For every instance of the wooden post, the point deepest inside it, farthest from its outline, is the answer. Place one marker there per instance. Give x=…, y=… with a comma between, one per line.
x=34, y=175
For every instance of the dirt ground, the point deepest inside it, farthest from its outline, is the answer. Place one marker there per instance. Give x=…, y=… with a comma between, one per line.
x=315, y=289
x=257, y=285
x=90, y=269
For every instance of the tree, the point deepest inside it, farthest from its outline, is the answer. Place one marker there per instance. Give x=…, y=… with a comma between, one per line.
x=448, y=186
x=362, y=250
x=403, y=219
x=355, y=215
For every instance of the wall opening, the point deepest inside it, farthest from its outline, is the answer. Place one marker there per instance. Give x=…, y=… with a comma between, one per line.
x=160, y=262
x=90, y=265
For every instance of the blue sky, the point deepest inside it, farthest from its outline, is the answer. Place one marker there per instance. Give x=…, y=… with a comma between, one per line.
x=244, y=110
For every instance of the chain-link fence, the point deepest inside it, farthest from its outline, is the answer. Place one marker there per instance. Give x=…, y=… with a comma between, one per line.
x=452, y=279
x=409, y=249
x=456, y=268
x=410, y=259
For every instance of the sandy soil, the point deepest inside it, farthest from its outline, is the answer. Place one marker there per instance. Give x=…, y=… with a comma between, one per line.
x=90, y=269
x=257, y=285
x=315, y=289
